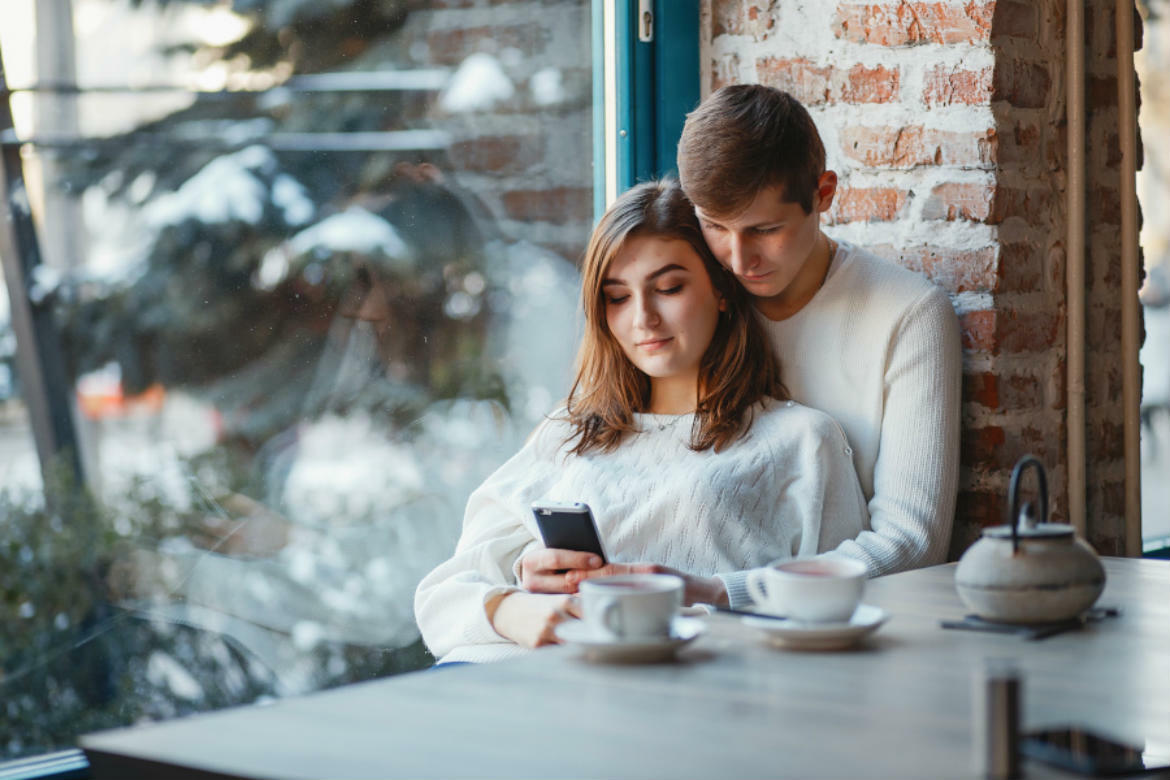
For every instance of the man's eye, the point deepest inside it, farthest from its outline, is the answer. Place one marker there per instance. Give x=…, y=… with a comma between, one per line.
x=767, y=230
x=710, y=226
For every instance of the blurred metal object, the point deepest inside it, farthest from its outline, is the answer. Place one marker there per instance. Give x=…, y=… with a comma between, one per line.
x=997, y=700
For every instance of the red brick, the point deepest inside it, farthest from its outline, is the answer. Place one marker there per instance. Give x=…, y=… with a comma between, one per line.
x=808, y=83
x=955, y=200
x=1005, y=331
x=1021, y=268
x=906, y=23
x=955, y=270
x=1104, y=206
x=498, y=154
x=871, y=85
x=741, y=17
x=1101, y=91
x=908, y=147
x=1023, y=144
x=982, y=389
x=983, y=202
x=1021, y=391
x=977, y=331
x=1024, y=85
x=1032, y=205
x=981, y=446
x=1014, y=20
x=1005, y=390
x=1021, y=332
x=725, y=71
x=549, y=205
x=974, y=511
x=869, y=204
x=946, y=86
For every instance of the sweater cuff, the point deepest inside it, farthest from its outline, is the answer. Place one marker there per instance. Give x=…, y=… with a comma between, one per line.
x=482, y=631
x=737, y=593
x=516, y=563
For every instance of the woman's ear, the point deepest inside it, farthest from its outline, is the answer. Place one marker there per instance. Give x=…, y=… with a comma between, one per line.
x=722, y=303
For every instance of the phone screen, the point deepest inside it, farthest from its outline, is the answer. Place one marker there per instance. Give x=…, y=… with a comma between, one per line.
x=1084, y=751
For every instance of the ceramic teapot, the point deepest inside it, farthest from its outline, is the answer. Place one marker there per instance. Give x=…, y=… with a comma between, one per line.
x=1028, y=571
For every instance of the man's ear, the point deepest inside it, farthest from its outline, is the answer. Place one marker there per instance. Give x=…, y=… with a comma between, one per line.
x=826, y=190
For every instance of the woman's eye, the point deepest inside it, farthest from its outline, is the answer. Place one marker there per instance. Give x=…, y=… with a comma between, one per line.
x=672, y=290
x=613, y=300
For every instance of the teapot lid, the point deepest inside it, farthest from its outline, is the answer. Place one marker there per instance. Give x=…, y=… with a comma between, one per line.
x=1037, y=531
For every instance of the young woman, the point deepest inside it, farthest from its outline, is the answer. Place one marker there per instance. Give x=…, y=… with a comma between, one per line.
x=677, y=432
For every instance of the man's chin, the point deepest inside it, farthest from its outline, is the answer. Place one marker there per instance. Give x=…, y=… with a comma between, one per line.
x=761, y=288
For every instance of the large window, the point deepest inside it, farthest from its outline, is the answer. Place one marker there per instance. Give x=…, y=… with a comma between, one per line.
x=310, y=271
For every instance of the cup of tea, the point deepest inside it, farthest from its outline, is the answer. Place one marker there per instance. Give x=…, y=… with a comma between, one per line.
x=632, y=606
x=816, y=590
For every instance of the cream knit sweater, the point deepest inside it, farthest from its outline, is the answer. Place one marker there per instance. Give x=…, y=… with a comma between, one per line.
x=786, y=489
x=877, y=348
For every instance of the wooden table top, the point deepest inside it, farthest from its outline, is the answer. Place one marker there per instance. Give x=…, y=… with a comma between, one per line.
x=900, y=705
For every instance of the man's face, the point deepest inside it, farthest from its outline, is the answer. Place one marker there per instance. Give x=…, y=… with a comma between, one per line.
x=767, y=245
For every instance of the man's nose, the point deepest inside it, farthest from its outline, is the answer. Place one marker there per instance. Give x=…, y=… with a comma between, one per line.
x=738, y=254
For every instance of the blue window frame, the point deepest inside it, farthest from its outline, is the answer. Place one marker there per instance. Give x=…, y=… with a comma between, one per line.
x=646, y=79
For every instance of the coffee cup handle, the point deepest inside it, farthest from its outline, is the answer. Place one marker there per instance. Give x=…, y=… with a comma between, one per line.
x=755, y=587
x=611, y=617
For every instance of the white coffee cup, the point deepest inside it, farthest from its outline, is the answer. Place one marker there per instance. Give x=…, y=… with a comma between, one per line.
x=815, y=590
x=631, y=606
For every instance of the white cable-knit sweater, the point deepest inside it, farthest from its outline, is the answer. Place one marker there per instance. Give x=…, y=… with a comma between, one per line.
x=786, y=489
x=877, y=348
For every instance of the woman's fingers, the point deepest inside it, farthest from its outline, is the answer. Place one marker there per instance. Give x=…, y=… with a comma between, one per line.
x=546, y=570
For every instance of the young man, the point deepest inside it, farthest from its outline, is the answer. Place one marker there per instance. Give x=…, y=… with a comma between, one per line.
x=874, y=345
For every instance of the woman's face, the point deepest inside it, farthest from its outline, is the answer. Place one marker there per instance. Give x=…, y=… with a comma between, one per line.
x=662, y=309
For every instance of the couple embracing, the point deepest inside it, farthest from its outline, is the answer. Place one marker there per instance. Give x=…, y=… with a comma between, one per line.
x=747, y=390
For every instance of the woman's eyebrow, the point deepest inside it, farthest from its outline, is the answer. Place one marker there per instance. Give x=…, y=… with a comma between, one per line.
x=649, y=277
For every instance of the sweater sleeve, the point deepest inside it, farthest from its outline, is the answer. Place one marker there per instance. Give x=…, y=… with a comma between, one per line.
x=917, y=469
x=820, y=493
x=449, y=601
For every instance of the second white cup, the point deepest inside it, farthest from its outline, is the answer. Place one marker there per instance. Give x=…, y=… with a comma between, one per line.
x=819, y=590
x=633, y=606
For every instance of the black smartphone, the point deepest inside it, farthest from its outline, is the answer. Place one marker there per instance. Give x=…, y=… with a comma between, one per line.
x=568, y=527
x=1086, y=752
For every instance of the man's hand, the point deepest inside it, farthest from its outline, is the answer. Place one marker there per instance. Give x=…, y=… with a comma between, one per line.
x=530, y=619
x=549, y=570
x=697, y=590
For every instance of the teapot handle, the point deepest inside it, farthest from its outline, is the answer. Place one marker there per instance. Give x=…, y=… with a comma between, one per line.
x=1014, y=495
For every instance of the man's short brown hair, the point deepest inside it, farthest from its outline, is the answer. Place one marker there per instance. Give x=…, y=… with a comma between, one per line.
x=744, y=138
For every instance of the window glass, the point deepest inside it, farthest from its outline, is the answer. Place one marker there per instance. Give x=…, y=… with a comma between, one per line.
x=1153, y=183
x=308, y=301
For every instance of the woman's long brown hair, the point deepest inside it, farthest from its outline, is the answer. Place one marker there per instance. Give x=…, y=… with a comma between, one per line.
x=737, y=370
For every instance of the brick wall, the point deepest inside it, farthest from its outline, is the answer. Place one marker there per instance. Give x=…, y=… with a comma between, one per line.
x=945, y=123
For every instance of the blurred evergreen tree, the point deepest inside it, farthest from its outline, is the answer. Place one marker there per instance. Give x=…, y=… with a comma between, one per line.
x=238, y=297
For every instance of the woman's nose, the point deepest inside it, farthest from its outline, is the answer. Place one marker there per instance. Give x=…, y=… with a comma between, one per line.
x=647, y=312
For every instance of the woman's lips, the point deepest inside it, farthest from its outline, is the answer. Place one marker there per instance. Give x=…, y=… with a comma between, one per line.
x=650, y=345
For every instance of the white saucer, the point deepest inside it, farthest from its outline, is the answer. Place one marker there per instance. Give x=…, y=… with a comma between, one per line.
x=800, y=635
x=604, y=648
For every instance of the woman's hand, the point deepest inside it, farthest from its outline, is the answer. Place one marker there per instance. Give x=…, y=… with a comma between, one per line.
x=529, y=619
x=548, y=570
x=696, y=590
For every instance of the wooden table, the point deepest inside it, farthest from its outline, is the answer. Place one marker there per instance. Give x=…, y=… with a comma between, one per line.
x=899, y=706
